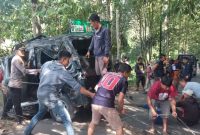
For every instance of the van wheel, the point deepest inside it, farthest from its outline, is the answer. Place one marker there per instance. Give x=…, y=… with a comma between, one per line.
x=68, y=105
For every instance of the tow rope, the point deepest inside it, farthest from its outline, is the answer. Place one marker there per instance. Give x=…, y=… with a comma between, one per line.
x=182, y=122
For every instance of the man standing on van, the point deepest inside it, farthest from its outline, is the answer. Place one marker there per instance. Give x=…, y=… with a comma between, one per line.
x=100, y=45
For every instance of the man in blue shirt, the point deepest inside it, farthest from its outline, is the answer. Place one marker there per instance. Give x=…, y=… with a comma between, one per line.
x=194, y=86
x=100, y=45
x=53, y=77
x=104, y=101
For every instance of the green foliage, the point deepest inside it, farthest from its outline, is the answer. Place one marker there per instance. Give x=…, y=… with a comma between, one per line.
x=54, y=16
x=140, y=22
x=14, y=22
x=4, y=52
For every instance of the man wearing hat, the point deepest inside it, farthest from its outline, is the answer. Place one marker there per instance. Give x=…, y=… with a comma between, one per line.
x=17, y=73
x=188, y=108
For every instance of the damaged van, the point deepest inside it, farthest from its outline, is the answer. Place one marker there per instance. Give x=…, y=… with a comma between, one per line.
x=42, y=49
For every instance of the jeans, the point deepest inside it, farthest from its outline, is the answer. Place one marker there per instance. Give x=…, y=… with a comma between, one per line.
x=100, y=66
x=59, y=109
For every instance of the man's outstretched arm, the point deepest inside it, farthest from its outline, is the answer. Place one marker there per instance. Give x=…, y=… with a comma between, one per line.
x=86, y=92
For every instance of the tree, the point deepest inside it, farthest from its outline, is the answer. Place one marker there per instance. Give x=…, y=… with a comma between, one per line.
x=118, y=34
x=137, y=26
x=36, y=26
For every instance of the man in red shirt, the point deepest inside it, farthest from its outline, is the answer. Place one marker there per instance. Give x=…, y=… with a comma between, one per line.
x=161, y=95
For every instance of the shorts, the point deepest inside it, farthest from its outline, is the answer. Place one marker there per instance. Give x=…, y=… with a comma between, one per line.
x=110, y=114
x=163, y=106
x=100, y=66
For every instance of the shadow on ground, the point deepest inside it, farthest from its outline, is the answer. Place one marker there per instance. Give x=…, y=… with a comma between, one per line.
x=135, y=121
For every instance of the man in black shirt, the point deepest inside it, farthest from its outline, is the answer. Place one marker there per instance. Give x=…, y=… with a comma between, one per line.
x=159, y=67
x=186, y=69
x=140, y=73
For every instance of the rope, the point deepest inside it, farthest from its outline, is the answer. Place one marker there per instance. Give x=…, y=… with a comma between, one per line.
x=182, y=122
x=30, y=83
x=187, y=127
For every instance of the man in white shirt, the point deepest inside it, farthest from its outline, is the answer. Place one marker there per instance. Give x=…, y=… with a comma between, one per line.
x=194, y=86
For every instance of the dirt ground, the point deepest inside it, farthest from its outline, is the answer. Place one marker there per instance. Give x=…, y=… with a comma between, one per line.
x=49, y=127
x=135, y=121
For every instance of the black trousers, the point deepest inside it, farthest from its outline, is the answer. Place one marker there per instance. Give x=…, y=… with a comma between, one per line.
x=14, y=98
x=140, y=79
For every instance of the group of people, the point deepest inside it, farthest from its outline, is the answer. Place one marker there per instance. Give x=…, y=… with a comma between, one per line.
x=146, y=74
x=53, y=75
x=162, y=81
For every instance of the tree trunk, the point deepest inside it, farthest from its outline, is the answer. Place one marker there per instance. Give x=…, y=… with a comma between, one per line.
x=186, y=34
x=165, y=26
x=36, y=26
x=141, y=40
x=151, y=18
x=108, y=10
x=118, y=34
x=146, y=44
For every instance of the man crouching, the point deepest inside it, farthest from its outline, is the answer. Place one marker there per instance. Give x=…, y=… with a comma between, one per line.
x=103, y=103
x=161, y=95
